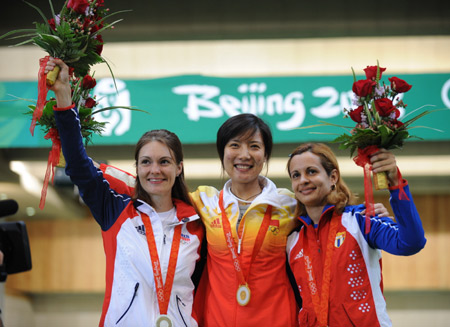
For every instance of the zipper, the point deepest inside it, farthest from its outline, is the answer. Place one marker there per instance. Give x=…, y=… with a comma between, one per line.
x=129, y=306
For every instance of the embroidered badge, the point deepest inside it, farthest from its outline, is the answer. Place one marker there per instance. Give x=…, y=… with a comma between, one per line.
x=340, y=238
x=274, y=226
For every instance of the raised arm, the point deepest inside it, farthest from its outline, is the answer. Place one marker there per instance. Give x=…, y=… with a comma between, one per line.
x=104, y=203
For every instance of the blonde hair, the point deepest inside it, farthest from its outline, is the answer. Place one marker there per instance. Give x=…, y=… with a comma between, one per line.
x=340, y=196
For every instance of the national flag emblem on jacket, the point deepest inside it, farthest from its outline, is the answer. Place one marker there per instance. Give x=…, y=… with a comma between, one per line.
x=339, y=240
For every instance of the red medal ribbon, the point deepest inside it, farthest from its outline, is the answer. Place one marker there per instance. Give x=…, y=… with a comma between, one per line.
x=320, y=303
x=163, y=290
x=232, y=244
x=363, y=160
x=42, y=93
x=53, y=158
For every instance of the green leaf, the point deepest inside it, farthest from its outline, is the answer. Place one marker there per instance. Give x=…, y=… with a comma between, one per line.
x=38, y=10
x=354, y=75
x=119, y=107
x=51, y=8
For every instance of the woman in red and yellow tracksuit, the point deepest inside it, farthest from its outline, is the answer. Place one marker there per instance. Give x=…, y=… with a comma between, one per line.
x=247, y=224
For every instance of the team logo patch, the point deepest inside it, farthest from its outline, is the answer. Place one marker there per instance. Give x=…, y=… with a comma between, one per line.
x=185, y=238
x=216, y=223
x=339, y=240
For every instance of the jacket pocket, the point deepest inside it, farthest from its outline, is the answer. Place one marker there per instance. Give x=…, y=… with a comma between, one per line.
x=136, y=287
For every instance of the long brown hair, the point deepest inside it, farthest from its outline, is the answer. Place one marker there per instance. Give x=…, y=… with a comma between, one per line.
x=171, y=140
x=341, y=195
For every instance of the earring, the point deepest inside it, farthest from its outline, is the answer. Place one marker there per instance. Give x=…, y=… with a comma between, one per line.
x=333, y=187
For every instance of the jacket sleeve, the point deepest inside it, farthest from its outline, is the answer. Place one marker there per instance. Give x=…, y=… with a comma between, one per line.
x=119, y=180
x=104, y=203
x=403, y=237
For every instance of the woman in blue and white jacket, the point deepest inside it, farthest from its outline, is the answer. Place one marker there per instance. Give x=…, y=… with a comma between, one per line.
x=152, y=239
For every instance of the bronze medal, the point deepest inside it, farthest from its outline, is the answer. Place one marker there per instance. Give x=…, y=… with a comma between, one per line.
x=164, y=321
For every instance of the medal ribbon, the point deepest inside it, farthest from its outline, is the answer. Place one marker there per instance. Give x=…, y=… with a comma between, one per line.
x=232, y=244
x=162, y=290
x=321, y=303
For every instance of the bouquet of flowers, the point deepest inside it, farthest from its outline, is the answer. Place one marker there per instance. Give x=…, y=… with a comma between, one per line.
x=379, y=106
x=376, y=117
x=74, y=36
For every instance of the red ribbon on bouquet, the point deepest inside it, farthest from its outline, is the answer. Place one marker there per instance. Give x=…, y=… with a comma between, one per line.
x=363, y=160
x=53, y=159
x=42, y=93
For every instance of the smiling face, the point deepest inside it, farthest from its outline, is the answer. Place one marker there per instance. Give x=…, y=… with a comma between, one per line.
x=157, y=169
x=310, y=181
x=244, y=158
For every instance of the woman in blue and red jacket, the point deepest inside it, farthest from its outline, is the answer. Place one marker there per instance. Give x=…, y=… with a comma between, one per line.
x=336, y=264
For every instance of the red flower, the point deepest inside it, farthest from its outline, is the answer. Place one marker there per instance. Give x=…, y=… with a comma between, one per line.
x=52, y=23
x=78, y=6
x=371, y=72
x=355, y=114
x=397, y=113
x=94, y=28
x=363, y=87
x=99, y=47
x=384, y=107
x=89, y=82
x=90, y=103
x=399, y=85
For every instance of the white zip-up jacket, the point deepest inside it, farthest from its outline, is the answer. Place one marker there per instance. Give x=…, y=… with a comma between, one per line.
x=130, y=296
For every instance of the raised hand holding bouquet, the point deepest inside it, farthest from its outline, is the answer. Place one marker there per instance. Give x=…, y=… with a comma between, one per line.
x=377, y=126
x=73, y=36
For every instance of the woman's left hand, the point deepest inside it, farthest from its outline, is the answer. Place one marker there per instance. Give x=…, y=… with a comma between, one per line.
x=384, y=160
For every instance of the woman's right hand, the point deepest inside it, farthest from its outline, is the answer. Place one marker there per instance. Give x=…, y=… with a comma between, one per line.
x=61, y=88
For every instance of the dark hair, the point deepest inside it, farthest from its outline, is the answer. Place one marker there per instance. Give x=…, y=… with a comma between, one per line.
x=341, y=194
x=171, y=140
x=247, y=125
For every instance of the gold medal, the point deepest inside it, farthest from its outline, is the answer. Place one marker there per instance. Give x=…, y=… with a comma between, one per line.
x=243, y=295
x=164, y=321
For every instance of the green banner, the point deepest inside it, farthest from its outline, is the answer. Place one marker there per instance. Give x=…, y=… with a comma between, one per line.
x=195, y=106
